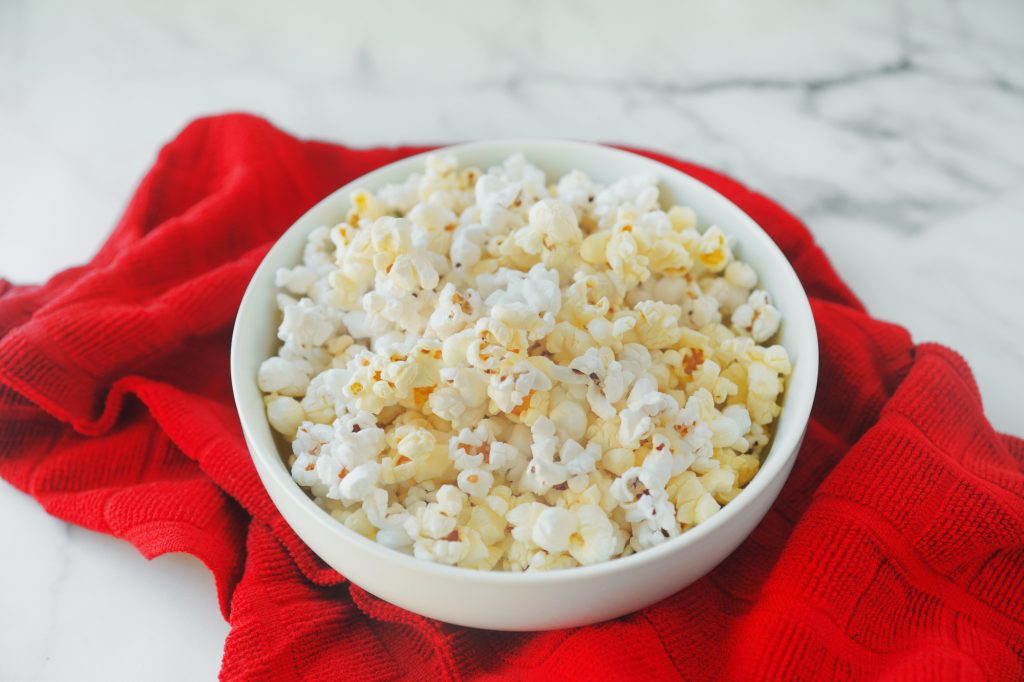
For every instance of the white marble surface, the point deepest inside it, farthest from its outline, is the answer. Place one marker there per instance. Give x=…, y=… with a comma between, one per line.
x=896, y=130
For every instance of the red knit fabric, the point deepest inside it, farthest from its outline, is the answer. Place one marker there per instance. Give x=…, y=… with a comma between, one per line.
x=895, y=551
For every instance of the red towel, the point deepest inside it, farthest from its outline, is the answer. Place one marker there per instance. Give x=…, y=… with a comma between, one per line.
x=896, y=549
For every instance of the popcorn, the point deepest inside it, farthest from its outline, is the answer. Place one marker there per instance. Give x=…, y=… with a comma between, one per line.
x=595, y=538
x=757, y=317
x=309, y=441
x=461, y=396
x=284, y=376
x=455, y=311
x=732, y=290
x=639, y=192
x=478, y=448
x=495, y=343
x=704, y=508
x=298, y=280
x=728, y=430
x=285, y=415
x=305, y=325
x=624, y=256
x=324, y=396
x=658, y=324
x=577, y=459
x=704, y=311
x=523, y=519
x=512, y=388
x=524, y=300
x=433, y=226
x=357, y=439
x=763, y=388
x=552, y=224
x=484, y=370
x=608, y=380
x=402, y=197
x=713, y=250
x=553, y=529
x=358, y=483
x=467, y=247
x=475, y=482
x=543, y=473
x=643, y=405
x=570, y=419
x=577, y=191
x=389, y=521
x=618, y=460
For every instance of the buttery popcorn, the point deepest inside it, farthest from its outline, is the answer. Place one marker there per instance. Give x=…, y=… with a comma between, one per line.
x=484, y=370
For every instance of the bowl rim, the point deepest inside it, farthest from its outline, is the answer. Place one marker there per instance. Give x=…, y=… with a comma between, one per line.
x=799, y=395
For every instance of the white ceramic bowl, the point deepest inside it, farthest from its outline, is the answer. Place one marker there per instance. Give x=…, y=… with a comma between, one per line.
x=544, y=600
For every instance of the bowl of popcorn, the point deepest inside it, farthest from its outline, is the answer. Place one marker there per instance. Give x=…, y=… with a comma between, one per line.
x=524, y=385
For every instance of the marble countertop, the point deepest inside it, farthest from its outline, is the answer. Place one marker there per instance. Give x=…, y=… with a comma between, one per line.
x=895, y=130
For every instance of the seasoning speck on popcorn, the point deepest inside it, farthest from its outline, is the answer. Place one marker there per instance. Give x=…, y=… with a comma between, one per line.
x=486, y=370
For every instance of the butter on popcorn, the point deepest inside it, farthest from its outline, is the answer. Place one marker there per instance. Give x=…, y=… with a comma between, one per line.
x=490, y=370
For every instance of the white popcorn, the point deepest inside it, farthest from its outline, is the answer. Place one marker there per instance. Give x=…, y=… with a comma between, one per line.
x=389, y=521
x=523, y=518
x=461, y=396
x=741, y=275
x=570, y=419
x=640, y=481
x=433, y=228
x=310, y=441
x=357, y=439
x=287, y=377
x=693, y=446
x=484, y=370
x=732, y=290
x=316, y=255
x=578, y=191
x=359, y=482
x=553, y=529
x=706, y=506
x=757, y=317
x=551, y=224
x=384, y=311
x=511, y=387
x=704, y=311
x=578, y=459
x=285, y=415
x=303, y=470
x=645, y=403
x=595, y=538
x=467, y=247
x=608, y=380
x=403, y=196
x=475, y=482
x=524, y=300
x=728, y=430
x=324, y=397
x=311, y=438
x=450, y=500
x=495, y=343
x=305, y=325
x=543, y=473
x=639, y=192
x=298, y=280
x=713, y=250
x=455, y=311
x=477, y=448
